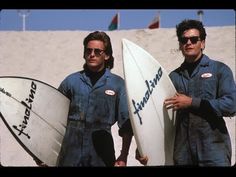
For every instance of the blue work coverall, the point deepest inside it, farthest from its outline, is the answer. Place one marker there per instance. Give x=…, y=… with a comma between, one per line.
x=93, y=108
x=201, y=133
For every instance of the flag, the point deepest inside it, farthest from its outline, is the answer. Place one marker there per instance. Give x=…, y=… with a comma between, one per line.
x=114, y=23
x=155, y=23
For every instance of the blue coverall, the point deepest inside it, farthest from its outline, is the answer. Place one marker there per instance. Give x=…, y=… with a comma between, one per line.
x=201, y=135
x=92, y=108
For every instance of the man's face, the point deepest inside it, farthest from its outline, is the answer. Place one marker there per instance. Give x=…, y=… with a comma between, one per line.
x=95, y=55
x=191, y=45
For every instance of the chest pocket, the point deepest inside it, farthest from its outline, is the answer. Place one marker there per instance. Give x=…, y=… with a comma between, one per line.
x=206, y=86
x=105, y=104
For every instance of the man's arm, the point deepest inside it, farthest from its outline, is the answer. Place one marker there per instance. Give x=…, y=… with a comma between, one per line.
x=126, y=141
x=126, y=133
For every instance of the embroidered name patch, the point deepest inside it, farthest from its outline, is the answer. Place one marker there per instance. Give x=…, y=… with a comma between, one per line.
x=206, y=75
x=110, y=92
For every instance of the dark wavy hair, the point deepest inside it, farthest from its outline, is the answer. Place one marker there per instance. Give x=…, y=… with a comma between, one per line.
x=190, y=24
x=101, y=36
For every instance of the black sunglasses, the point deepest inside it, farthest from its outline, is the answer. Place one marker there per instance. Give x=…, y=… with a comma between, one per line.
x=97, y=52
x=193, y=39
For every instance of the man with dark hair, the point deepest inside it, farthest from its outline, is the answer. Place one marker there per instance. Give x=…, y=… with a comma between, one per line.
x=98, y=101
x=206, y=92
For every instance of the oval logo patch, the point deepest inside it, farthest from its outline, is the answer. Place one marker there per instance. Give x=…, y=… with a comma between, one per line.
x=206, y=75
x=110, y=92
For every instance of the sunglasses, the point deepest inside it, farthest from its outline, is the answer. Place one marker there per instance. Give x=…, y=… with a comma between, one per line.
x=193, y=39
x=97, y=52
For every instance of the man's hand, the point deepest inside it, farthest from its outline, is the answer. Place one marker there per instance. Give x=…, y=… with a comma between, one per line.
x=179, y=101
x=121, y=161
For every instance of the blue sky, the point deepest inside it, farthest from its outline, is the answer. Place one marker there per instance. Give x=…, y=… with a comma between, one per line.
x=99, y=19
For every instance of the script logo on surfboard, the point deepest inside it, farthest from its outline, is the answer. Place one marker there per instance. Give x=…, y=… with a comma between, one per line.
x=150, y=86
x=28, y=104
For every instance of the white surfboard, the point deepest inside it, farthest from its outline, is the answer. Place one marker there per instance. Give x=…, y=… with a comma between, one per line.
x=148, y=85
x=36, y=114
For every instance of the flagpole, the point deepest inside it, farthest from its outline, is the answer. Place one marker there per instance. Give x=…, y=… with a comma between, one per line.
x=118, y=23
x=159, y=18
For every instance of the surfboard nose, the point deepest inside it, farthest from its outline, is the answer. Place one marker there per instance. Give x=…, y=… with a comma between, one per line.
x=126, y=43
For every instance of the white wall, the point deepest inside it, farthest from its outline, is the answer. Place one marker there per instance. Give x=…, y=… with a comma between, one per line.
x=50, y=56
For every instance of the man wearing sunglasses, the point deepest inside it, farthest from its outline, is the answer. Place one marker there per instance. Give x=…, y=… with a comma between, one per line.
x=98, y=101
x=206, y=92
